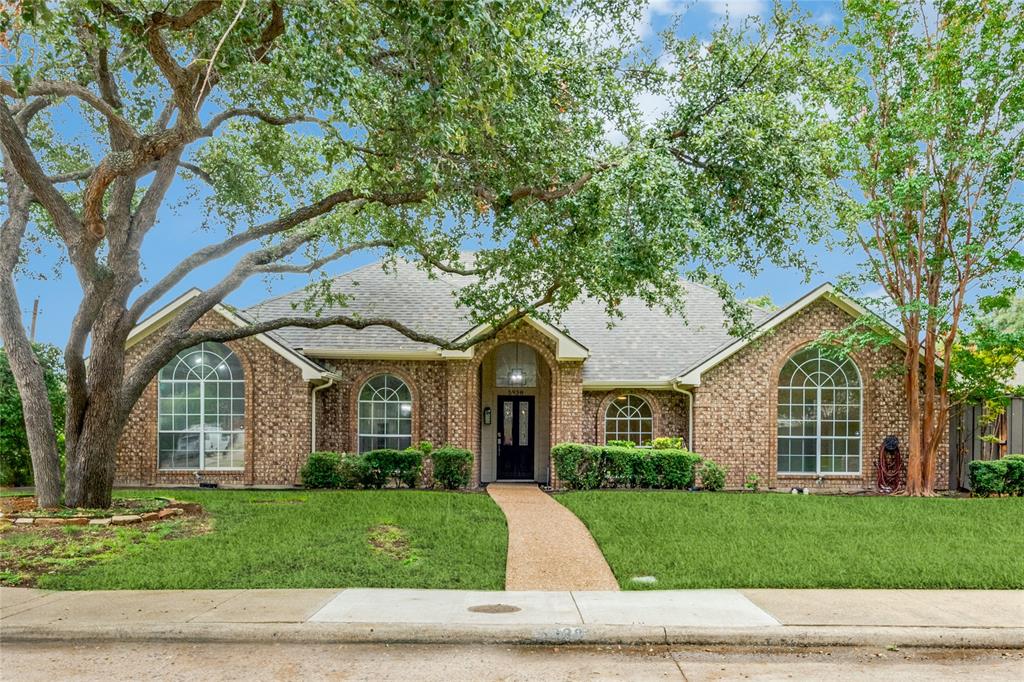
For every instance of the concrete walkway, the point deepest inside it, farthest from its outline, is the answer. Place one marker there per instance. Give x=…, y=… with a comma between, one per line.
x=549, y=548
x=922, y=618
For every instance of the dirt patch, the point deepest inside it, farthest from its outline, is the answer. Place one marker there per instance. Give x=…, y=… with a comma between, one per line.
x=392, y=542
x=10, y=505
x=494, y=608
x=28, y=553
x=26, y=506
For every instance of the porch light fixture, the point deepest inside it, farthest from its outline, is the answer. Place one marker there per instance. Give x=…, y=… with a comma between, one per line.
x=515, y=374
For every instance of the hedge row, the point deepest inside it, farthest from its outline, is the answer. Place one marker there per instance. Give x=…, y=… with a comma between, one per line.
x=380, y=468
x=998, y=476
x=585, y=467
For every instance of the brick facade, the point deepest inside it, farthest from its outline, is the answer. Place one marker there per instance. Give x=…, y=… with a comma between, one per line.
x=734, y=408
x=277, y=421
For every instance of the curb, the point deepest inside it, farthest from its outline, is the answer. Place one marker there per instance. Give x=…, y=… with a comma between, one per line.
x=417, y=633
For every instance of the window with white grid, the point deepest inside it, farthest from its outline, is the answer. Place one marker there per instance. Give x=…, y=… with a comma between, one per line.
x=385, y=414
x=629, y=417
x=201, y=410
x=819, y=415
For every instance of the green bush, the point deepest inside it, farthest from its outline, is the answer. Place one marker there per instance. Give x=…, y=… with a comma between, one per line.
x=585, y=467
x=348, y=471
x=1014, y=482
x=452, y=467
x=621, y=444
x=667, y=443
x=321, y=470
x=712, y=476
x=988, y=477
x=753, y=482
x=377, y=467
x=578, y=466
x=620, y=464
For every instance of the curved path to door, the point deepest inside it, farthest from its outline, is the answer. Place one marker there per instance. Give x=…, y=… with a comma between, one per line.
x=548, y=547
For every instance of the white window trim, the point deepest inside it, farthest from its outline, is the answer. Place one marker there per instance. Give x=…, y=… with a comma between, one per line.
x=202, y=422
x=818, y=473
x=359, y=419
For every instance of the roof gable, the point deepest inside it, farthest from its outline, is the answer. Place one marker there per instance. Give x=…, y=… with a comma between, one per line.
x=158, y=320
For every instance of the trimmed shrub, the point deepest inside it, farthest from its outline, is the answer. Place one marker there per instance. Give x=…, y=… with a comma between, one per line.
x=667, y=443
x=377, y=467
x=621, y=444
x=348, y=471
x=578, y=466
x=620, y=464
x=1014, y=481
x=988, y=477
x=585, y=467
x=675, y=468
x=712, y=476
x=321, y=470
x=452, y=467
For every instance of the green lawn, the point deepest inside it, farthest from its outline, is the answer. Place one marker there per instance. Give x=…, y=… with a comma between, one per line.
x=315, y=539
x=693, y=540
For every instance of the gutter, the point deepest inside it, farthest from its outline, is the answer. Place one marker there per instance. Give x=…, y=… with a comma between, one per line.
x=689, y=409
x=312, y=422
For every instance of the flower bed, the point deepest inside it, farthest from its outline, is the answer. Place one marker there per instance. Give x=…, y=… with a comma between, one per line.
x=124, y=512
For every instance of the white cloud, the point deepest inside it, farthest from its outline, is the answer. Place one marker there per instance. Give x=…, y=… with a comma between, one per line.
x=737, y=11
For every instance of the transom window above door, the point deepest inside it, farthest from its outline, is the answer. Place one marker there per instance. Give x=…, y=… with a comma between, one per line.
x=629, y=417
x=819, y=415
x=201, y=410
x=385, y=414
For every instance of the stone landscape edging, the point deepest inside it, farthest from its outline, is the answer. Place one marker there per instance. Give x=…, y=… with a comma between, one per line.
x=173, y=508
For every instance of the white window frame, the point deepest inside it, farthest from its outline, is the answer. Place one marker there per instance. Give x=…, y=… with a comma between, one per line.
x=385, y=402
x=201, y=433
x=619, y=418
x=859, y=439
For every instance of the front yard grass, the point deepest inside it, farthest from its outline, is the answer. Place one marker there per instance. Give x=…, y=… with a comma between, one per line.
x=262, y=539
x=706, y=540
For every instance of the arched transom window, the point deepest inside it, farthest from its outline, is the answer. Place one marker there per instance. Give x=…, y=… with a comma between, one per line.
x=385, y=414
x=201, y=410
x=629, y=417
x=819, y=419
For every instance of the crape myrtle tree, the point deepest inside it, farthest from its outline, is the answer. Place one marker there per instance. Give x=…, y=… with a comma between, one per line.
x=933, y=144
x=314, y=130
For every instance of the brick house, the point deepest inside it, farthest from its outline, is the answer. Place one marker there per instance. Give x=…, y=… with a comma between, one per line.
x=769, y=404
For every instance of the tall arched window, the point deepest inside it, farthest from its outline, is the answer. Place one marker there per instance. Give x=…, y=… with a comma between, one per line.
x=819, y=420
x=201, y=410
x=385, y=414
x=629, y=417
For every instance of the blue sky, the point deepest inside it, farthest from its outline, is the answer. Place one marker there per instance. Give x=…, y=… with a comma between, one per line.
x=178, y=233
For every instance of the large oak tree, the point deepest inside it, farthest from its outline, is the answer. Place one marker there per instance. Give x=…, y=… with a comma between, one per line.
x=313, y=130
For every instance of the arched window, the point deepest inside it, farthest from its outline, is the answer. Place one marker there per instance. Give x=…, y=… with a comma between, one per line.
x=819, y=420
x=201, y=410
x=629, y=417
x=385, y=414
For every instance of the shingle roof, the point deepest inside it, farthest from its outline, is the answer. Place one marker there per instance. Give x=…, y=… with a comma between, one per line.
x=646, y=345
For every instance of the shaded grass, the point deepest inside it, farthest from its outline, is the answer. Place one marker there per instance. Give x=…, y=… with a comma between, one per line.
x=695, y=540
x=262, y=539
x=31, y=555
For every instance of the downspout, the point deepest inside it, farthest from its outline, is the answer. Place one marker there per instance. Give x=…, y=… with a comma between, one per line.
x=312, y=421
x=689, y=409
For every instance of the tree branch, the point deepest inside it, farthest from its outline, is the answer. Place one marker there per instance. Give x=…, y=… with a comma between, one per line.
x=68, y=89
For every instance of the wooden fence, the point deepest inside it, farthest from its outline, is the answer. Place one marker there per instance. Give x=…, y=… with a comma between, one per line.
x=971, y=439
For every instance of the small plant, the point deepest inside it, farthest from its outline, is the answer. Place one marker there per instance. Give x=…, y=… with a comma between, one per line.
x=668, y=443
x=452, y=467
x=988, y=477
x=321, y=470
x=753, y=482
x=621, y=444
x=712, y=476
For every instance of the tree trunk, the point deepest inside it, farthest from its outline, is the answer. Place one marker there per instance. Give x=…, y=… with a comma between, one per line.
x=912, y=397
x=35, y=401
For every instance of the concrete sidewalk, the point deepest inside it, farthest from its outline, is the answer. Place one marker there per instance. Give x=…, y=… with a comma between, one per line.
x=907, y=618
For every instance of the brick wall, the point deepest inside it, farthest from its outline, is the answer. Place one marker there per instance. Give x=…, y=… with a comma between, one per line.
x=668, y=409
x=277, y=421
x=735, y=405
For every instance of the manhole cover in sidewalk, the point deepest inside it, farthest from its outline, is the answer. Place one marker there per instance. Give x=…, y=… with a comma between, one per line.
x=494, y=608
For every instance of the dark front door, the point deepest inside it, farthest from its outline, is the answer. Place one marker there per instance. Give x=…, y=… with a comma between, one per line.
x=515, y=437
